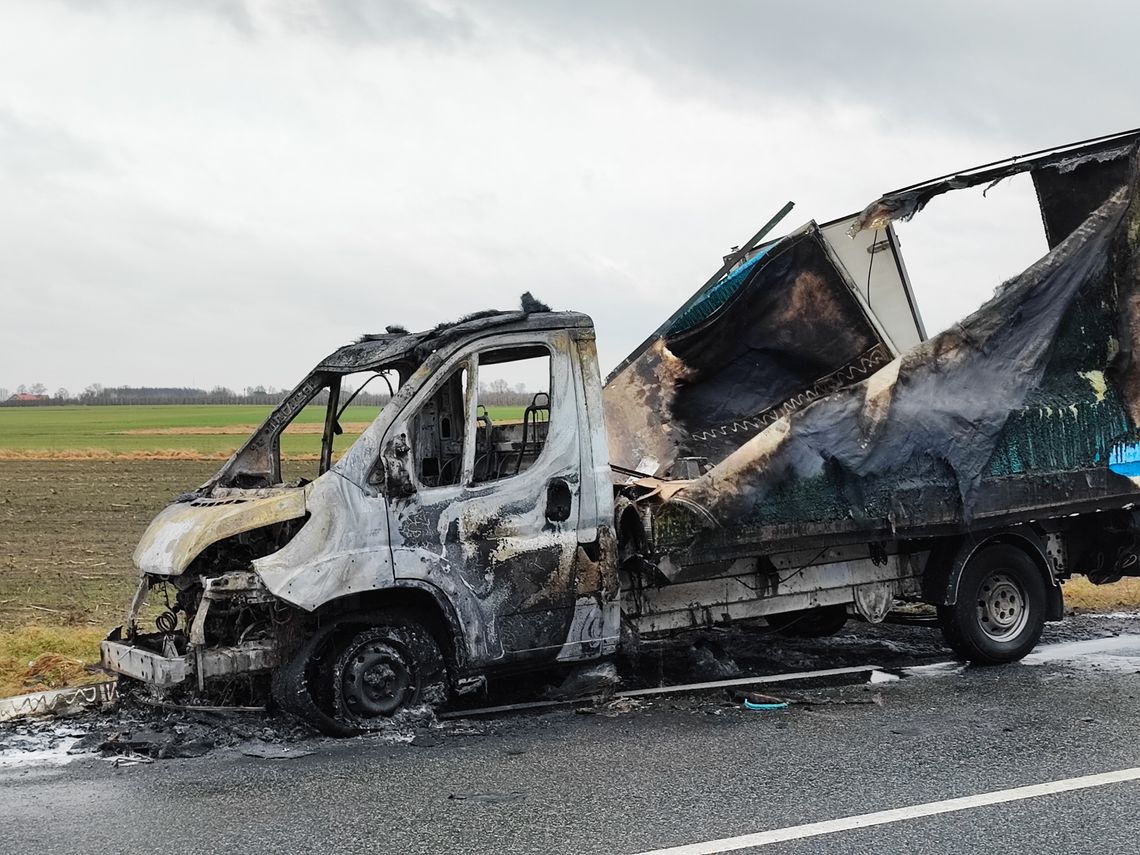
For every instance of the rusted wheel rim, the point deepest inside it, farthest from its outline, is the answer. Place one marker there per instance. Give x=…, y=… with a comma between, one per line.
x=377, y=680
x=1002, y=606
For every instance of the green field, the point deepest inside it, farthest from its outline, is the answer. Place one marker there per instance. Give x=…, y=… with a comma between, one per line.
x=190, y=430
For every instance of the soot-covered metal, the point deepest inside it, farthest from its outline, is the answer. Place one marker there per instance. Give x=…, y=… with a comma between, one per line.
x=783, y=329
x=1028, y=406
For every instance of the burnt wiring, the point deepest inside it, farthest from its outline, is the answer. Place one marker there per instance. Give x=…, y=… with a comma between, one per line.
x=871, y=263
x=352, y=397
x=799, y=570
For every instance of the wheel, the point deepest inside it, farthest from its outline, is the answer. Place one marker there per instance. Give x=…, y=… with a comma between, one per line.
x=809, y=623
x=391, y=665
x=296, y=682
x=1000, y=611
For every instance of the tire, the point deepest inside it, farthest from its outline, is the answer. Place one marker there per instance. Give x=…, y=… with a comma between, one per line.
x=295, y=685
x=1000, y=610
x=390, y=664
x=809, y=623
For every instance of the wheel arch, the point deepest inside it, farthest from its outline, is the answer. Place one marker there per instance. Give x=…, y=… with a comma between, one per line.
x=943, y=572
x=421, y=600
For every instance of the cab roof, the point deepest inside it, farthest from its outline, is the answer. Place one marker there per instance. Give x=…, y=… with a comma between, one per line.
x=374, y=351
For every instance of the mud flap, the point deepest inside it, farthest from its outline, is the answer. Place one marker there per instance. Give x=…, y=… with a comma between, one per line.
x=943, y=571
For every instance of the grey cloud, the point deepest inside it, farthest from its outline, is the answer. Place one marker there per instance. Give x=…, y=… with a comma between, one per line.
x=1027, y=71
x=348, y=22
x=235, y=13
x=36, y=150
x=1034, y=70
x=189, y=236
x=358, y=22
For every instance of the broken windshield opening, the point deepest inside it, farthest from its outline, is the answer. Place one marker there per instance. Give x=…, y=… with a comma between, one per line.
x=333, y=420
x=309, y=431
x=361, y=398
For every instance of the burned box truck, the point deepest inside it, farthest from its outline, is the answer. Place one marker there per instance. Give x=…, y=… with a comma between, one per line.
x=789, y=446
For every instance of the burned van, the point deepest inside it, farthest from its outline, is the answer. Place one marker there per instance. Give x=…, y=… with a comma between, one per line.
x=789, y=446
x=438, y=546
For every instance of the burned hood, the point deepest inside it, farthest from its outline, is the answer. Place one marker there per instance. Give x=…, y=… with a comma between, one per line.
x=182, y=530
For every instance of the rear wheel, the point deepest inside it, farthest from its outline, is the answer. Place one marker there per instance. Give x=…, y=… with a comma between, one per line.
x=1000, y=612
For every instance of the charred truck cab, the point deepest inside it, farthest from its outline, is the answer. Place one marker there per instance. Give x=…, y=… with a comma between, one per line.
x=789, y=445
x=439, y=546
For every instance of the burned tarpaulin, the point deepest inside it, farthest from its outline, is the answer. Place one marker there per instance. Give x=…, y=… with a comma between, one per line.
x=783, y=329
x=1021, y=407
x=1069, y=191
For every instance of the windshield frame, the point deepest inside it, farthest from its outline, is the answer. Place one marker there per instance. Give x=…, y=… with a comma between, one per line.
x=257, y=463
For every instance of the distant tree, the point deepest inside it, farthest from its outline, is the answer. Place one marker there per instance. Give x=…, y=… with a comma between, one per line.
x=38, y=389
x=62, y=394
x=21, y=389
x=4, y=394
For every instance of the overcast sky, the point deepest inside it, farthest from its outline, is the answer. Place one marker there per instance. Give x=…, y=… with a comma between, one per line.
x=213, y=192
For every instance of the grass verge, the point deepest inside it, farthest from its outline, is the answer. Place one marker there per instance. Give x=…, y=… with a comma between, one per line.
x=35, y=658
x=1083, y=595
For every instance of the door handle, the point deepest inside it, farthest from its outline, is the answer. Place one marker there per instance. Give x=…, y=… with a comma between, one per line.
x=558, y=500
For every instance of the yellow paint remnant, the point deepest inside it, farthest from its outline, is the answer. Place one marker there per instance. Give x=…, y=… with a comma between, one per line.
x=881, y=384
x=1097, y=381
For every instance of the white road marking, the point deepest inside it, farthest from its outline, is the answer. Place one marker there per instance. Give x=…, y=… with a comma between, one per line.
x=883, y=817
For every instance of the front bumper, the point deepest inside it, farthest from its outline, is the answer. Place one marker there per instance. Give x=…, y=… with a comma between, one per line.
x=155, y=658
x=155, y=669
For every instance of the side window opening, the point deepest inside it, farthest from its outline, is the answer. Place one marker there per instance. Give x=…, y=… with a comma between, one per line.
x=513, y=413
x=437, y=433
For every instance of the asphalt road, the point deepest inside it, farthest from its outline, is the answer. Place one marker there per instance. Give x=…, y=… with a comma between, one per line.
x=674, y=771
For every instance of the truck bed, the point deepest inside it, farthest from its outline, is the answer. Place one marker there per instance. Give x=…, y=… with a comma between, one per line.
x=1027, y=410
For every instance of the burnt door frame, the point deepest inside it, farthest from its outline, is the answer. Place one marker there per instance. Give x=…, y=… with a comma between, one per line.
x=506, y=564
